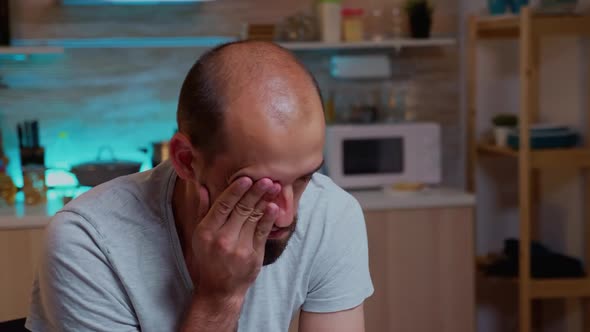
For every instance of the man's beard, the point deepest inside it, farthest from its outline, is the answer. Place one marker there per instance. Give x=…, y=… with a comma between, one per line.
x=275, y=247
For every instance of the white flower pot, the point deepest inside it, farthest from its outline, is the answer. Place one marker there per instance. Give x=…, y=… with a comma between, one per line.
x=501, y=135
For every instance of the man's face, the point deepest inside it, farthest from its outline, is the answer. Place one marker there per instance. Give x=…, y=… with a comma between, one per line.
x=287, y=150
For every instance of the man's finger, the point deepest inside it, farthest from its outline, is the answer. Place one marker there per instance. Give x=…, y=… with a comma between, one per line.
x=246, y=208
x=264, y=227
x=226, y=202
x=249, y=227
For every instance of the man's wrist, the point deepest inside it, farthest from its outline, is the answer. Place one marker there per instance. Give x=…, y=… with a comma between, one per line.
x=213, y=313
x=218, y=304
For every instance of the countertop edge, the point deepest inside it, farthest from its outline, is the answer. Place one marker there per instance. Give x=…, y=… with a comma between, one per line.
x=372, y=200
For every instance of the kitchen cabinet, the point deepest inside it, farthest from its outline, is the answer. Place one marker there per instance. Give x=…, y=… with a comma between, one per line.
x=19, y=254
x=422, y=265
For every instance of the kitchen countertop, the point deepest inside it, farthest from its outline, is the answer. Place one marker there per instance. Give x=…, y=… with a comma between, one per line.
x=21, y=216
x=425, y=199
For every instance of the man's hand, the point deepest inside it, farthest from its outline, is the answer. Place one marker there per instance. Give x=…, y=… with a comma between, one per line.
x=228, y=246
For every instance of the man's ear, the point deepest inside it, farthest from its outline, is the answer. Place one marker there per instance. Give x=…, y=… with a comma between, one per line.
x=183, y=157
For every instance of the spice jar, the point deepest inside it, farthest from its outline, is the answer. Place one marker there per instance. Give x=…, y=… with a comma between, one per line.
x=352, y=24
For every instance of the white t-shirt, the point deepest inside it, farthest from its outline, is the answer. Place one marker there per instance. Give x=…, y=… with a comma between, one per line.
x=112, y=261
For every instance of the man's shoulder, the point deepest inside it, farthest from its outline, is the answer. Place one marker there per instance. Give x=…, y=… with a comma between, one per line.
x=120, y=204
x=324, y=204
x=323, y=193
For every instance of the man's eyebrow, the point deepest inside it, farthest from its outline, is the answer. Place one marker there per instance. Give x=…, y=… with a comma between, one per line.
x=235, y=175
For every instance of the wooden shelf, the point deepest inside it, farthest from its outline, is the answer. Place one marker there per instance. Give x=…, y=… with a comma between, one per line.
x=212, y=41
x=492, y=149
x=560, y=288
x=498, y=27
x=29, y=50
x=547, y=158
x=385, y=44
x=539, y=288
x=508, y=26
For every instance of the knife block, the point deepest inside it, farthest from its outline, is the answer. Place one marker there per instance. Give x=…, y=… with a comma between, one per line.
x=33, y=167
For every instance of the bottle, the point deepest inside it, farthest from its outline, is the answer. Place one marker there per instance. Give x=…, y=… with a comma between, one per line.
x=396, y=22
x=375, y=25
x=352, y=24
x=329, y=20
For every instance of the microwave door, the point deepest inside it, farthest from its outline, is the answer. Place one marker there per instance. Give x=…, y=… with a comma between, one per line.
x=373, y=156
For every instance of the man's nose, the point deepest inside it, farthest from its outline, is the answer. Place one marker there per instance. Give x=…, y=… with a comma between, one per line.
x=286, y=209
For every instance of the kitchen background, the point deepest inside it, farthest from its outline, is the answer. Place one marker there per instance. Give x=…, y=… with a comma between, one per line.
x=126, y=97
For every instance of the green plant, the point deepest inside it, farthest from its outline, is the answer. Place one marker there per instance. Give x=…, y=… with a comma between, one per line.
x=413, y=6
x=505, y=120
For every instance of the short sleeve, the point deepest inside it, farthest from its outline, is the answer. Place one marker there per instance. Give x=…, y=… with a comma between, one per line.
x=76, y=289
x=341, y=278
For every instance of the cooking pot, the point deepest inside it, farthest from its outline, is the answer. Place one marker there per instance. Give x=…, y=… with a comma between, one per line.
x=102, y=170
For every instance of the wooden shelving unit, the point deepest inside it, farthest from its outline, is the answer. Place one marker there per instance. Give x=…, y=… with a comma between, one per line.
x=528, y=29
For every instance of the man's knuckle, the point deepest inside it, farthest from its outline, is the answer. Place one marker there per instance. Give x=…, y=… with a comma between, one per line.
x=205, y=235
x=243, y=210
x=223, y=207
x=243, y=254
x=255, y=216
x=223, y=244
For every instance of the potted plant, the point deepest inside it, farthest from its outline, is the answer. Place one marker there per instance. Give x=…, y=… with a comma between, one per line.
x=420, y=17
x=503, y=124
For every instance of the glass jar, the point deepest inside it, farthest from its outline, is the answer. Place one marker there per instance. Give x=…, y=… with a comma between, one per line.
x=352, y=24
x=376, y=25
x=396, y=22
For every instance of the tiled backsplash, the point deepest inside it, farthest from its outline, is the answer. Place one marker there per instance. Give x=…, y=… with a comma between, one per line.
x=126, y=98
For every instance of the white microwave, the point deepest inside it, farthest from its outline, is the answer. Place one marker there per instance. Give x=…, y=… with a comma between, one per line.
x=377, y=155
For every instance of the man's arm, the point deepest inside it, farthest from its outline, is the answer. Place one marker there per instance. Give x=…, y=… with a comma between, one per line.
x=341, y=281
x=352, y=320
x=76, y=287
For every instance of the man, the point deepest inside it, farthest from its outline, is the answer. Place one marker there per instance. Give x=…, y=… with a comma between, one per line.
x=236, y=232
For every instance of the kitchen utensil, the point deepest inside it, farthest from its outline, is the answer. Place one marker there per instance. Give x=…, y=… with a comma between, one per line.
x=31, y=151
x=35, y=133
x=102, y=170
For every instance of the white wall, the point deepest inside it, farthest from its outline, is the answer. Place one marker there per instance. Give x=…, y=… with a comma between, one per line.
x=563, y=100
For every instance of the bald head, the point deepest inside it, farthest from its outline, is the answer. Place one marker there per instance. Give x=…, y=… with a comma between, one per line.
x=243, y=84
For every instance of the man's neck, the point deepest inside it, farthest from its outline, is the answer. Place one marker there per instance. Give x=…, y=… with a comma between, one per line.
x=185, y=213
